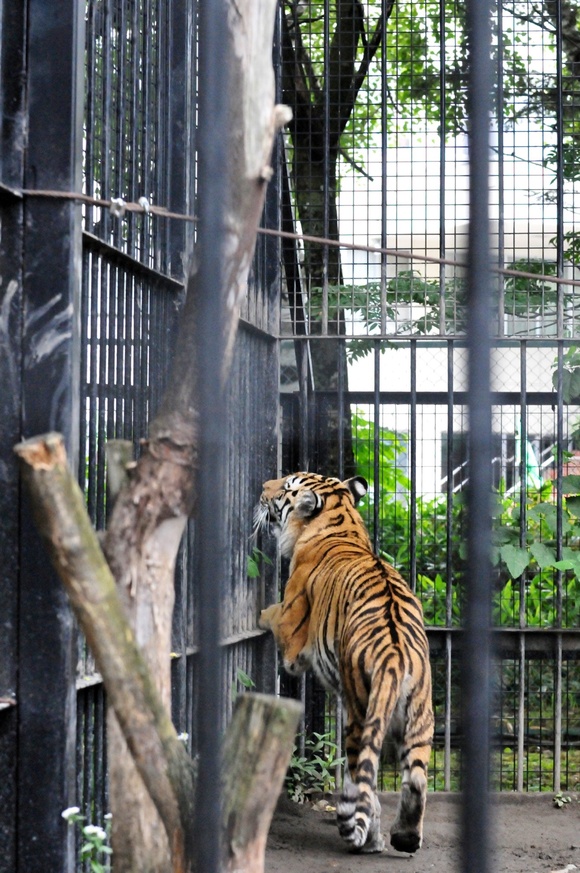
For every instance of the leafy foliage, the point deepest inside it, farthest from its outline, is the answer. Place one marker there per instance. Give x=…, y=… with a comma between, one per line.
x=534, y=583
x=314, y=771
x=253, y=562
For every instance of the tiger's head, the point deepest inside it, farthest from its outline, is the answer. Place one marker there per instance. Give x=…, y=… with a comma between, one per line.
x=289, y=504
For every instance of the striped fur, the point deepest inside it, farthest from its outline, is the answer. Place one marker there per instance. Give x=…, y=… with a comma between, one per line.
x=351, y=617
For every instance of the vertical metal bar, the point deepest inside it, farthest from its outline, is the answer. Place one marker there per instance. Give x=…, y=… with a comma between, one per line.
x=523, y=538
x=340, y=364
x=442, y=180
x=558, y=575
x=559, y=171
x=384, y=158
x=521, y=714
x=213, y=157
x=449, y=570
x=376, y=445
x=180, y=150
x=326, y=164
x=477, y=638
x=450, y=489
x=413, y=471
x=50, y=401
x=500, y=168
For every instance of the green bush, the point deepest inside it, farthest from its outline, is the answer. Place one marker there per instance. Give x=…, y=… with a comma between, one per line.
x=525, y=564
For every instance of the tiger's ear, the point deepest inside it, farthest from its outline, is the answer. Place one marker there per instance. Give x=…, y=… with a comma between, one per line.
x=307, y=504
x=358, y=487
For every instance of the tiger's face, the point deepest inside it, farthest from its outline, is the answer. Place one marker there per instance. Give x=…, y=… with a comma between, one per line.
x=287, y=505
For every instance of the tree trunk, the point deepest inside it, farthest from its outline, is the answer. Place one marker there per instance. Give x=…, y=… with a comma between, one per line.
x=258, y=742
x=255, y=758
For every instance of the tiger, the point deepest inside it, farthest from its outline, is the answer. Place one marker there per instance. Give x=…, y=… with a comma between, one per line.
x=351, y=617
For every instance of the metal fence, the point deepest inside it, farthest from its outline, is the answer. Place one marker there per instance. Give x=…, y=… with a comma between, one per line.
x=372, y=351
x=376, y=334
x=90, y=309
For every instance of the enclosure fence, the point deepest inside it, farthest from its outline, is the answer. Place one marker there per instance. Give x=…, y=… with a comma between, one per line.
x=353, y=355
x=375, y=335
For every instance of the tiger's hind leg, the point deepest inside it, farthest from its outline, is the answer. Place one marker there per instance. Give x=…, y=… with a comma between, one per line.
x=414, y=751
x=358, y=811
x=359, y=824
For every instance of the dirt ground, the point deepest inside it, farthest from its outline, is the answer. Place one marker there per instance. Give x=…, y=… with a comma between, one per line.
x=531, y=836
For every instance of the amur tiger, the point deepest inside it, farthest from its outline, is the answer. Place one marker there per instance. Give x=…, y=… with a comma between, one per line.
x=351, y=617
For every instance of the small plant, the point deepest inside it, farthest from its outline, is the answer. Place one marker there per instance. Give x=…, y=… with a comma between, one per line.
x=241, y=679
x=561, y=800
x=95, y=849
x=253, y=563
x=314, y=771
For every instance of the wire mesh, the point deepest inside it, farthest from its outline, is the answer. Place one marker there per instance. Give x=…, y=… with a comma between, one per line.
x=378, y=168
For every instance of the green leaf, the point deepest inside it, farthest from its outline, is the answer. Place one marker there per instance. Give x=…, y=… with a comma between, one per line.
x=564, y=565
x=571, y=484
x=516, y=559
x=252, y=569
x=573, y=505
x=544, y=555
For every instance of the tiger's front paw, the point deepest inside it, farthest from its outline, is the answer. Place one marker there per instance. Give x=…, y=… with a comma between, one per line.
x=269, y=617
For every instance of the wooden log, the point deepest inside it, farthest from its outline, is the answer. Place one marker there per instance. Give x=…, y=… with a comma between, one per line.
x=256, y=754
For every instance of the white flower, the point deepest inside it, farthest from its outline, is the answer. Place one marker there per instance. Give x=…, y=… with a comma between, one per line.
x=108, y=816
x=67, y=814
x=94, y=831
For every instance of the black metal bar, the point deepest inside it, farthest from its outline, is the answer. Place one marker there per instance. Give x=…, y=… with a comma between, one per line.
x=47, y=648
x=413, y=470
x=439, y=398
x=559, y=168
x=341, y=365
x=449, y=503
x=523, y=431
x=181, y=149
x=12, y=148
x=499, y=103
x=475, y=687
x=213, y=157
x=376, y=445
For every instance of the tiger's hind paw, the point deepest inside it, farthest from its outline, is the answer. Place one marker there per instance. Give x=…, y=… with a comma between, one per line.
x=359, y=820
x=406, y=841
x=352, y=828
x=375, y=841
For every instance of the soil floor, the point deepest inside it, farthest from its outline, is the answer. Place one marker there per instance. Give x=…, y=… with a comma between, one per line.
x=531, y=835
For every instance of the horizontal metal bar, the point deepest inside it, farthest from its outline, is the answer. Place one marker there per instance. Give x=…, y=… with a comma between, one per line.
x=247, y=326
x=437, y=341
x=507, y=640
x=232, y=640
x=442, y=398
x=132, y=265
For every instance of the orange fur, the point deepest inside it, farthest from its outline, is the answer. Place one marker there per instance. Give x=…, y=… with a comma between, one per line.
x=351, y=616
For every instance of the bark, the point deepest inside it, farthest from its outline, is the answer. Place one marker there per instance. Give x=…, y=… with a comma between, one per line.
x=256, y=755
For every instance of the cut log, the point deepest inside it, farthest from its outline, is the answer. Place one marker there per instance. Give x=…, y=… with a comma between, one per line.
x=256, y=755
